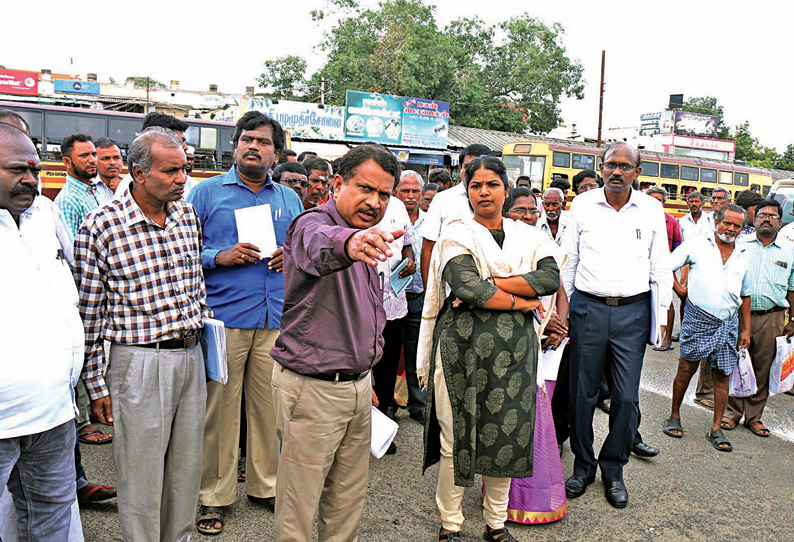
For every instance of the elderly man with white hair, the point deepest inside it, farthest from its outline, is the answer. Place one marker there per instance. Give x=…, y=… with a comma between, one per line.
x=554, y=221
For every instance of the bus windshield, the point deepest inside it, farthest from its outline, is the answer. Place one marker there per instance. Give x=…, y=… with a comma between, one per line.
x=530, y=166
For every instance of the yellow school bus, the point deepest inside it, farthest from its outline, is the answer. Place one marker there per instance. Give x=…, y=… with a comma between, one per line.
x=544, y=159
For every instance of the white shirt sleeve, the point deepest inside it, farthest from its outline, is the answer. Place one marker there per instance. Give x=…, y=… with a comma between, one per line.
x=431, y=227
x=661, y=270
x=570, y=245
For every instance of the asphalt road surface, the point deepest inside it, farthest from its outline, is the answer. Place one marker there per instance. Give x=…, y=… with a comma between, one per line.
x=689, y=492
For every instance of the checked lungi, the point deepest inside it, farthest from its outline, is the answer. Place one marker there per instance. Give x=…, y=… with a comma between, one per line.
x=704, y=336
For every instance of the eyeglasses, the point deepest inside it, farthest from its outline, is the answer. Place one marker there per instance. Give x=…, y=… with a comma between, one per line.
x=523, y=211
x=586, y=187
x=625, y=168
x=767, y=216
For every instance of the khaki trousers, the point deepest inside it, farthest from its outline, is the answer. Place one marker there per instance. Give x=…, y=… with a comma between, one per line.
x=158, y=400
x=449, y=497
x=764, y=329
x=250, y=365
x=705, y=385
x=325, y=431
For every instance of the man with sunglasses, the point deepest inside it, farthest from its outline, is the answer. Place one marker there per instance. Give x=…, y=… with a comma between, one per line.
x=318, y=172
x=292, y=175
x=616, y=243
x=245, y=289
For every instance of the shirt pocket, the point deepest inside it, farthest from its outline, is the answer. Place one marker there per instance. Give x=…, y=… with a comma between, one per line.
x=189, y=266
x=779, y=275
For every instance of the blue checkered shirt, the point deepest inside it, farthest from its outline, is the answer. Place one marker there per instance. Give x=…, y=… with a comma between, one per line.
x=772, y=269
x=76, y=200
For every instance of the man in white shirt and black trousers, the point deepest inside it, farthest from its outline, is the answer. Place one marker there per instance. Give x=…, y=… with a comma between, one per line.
x=617, y=245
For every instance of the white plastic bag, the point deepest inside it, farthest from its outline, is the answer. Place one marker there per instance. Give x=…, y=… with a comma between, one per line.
x=781, y=375
x=742, y=383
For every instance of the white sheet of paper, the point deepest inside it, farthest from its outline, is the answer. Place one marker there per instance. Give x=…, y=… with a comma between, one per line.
x=656, y=322
x=255, y=226
x=383, y=432
x=550, y=361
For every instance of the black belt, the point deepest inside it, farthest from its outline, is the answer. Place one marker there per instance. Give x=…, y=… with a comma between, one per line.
x=776, y=308
x=412, y=295
x=340, y=377
x=188, y=341
x=617, y=301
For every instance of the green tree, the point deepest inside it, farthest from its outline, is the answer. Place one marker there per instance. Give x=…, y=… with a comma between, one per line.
x=148, y=82
x=749, y=149
x=708, y=105
x=786, y=160
x=510, y=76
x=284, y=77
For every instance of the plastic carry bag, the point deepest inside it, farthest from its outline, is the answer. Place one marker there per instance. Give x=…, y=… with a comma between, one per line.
x=742, y=383
x=781, y=375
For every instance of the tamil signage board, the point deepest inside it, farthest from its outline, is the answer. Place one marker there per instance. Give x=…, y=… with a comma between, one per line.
x=425, y=123
x=695, y=124
x=19, y=82
x=656, y=123
x=72, y=86
x=303, y=120
x=419, y=156
x=719, y=145
x=370, y=116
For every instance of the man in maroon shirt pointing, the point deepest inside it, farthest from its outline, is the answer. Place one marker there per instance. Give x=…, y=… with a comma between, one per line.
x=331, y=336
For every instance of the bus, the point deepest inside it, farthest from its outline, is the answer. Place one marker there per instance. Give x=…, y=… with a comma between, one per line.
x=545, y=159
x=50, y=124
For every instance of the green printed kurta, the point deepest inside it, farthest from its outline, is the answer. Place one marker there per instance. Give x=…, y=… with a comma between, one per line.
x=489, y=360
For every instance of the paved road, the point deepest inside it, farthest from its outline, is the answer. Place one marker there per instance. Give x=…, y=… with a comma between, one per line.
x=690, y=492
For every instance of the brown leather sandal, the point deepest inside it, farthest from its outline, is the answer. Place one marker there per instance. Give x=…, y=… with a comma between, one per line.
x=758, y=427
x=498, y=535
x=451, y=536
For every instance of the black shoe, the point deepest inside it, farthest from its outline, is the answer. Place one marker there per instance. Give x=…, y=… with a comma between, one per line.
x=419, y=416
x=267, y=502
x=575, y=486
x=644, y=450
x=616, y=493
x=604, y=404
x=392, y=449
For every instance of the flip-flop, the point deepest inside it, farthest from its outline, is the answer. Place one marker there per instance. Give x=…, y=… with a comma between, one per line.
x=716, y=438
x=663, y=348
x=705, y=403
x=91, y=493
x=673, y=424
x=762, y=431
x=96, y=432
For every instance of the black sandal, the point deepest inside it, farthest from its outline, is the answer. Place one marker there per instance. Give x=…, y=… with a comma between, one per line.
x=718, y=440
x=498, y=535
x=452, y=536
x=673, y=424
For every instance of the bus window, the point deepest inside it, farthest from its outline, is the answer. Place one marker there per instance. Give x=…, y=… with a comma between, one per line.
x=531, y=166
x=599, y=161
x=708, y=175
x=672, y=190
x=669, y=171
x=583, y=161
x=755, y=188
x=193, y=136
x=60, y=125
x=123, y=130
x=209, y=138
x=706, y=194
x=685, y=191
x=646, y=185
x=726, y=177
x=741, y=179
x=650, y=169
x=34, y=118
x=689, y=173
x=766, y=191
x=561, y=159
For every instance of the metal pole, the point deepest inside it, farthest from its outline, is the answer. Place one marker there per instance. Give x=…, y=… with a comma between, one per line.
x=322, y=90
x=601, y=99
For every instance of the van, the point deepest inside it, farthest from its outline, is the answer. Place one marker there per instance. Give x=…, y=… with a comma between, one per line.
x=783, y=192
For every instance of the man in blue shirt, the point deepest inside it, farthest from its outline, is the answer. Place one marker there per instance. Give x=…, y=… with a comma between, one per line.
x=245, y=289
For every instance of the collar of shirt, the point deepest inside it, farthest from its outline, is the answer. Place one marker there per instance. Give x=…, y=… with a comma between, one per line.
x=234, y=177
x=133, y=213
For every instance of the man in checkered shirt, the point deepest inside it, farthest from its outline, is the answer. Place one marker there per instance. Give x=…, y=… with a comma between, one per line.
x=138, y=269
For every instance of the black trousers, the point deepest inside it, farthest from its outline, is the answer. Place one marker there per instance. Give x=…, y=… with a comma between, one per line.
x=612, y=339
x=385, y=372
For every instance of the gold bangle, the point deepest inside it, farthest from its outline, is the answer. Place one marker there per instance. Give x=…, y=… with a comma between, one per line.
x=512, y=302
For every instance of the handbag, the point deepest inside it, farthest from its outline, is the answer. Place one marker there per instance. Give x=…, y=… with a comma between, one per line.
x=781, y=374
x=743, y=383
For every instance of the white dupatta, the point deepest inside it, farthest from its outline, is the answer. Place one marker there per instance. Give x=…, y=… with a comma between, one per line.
x=523, y=248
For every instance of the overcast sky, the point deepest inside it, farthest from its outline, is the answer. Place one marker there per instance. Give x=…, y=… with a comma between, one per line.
x=739, y=52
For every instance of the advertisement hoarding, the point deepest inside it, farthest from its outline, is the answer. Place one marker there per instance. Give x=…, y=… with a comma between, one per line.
x=370, y=116
x=425, y=123
x=695, y=124
x=303, y=120
x=19, y=82
x=71, y=86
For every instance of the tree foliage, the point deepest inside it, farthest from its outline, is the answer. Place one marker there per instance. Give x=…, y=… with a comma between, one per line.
x=284, y=77
x=749, y=149
x=148, y=82
x=510, y=76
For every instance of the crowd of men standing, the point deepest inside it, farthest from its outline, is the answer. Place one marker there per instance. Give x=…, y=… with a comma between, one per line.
x=129, y=268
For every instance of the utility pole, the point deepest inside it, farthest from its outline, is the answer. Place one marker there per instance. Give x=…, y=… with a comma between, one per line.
x=149, y=80
x=601, y=99
x=322, y=90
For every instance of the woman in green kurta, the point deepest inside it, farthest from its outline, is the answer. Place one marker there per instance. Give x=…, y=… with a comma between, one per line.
x=478, y=350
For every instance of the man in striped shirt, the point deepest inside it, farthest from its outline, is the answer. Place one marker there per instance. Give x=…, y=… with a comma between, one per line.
x=138, y=269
